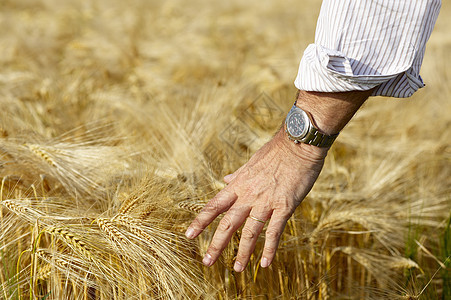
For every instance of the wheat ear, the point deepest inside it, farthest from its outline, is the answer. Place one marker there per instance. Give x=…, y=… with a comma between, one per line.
x=191, y=205
x=14, y=207
x=113, y=233
x=50, y=260
x=133, y=225
x=71, y=240
x=42, y=153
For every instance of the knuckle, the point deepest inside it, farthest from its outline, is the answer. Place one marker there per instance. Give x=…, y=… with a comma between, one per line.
x=287, y=212
x=270, y=250
x=284, y=203
x=248, y=234
x=253, y=191
x=225, y=224
x=273, y=235
x=214, y=249
x=198, y=224
x=212, y=206
x=242, y=259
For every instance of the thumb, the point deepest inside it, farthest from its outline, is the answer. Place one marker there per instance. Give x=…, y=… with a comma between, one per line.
x=228, y=178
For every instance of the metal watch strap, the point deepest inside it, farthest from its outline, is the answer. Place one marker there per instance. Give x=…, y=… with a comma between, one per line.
x=316, y=138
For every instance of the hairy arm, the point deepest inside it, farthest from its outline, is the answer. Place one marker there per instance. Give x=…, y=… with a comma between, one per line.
x=273, y=182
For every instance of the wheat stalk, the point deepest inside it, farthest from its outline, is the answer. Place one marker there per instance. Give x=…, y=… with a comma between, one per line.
x=166, y=130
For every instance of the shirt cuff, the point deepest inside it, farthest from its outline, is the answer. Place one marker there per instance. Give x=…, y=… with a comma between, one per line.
x=327, y=70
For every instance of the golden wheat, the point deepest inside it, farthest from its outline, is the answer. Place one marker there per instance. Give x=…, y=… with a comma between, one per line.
x=113, y=233
x=118, y=121
x=72, y=240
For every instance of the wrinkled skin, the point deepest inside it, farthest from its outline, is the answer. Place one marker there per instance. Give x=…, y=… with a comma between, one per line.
x=274, y=181
x=268, y=187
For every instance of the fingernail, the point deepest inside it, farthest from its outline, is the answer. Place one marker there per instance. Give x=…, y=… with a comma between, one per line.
x=227, y=177
x=189, y=233
x=264, y=263
x=208, y=261
x=238, y=267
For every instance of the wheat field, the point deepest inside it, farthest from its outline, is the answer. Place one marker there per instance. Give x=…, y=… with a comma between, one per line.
x=118, y=120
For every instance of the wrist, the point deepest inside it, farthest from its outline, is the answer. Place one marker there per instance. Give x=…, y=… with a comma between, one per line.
x=301, y=150
x=330, y=112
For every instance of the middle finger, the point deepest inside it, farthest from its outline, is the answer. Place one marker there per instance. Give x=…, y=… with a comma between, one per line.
x=230, y=223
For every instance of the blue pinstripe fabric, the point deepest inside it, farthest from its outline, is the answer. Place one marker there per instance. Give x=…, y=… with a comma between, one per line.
x=362, y=44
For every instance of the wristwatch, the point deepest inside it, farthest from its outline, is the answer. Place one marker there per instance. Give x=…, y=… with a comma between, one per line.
x=300, y=129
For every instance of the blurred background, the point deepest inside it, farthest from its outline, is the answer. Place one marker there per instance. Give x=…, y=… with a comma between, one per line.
x=103, y=92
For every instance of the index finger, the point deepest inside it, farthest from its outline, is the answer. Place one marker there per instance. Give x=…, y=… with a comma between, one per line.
x=216, y=206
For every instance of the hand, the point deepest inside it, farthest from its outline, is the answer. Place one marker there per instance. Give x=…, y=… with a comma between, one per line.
x=273, y=182
x=268, y=187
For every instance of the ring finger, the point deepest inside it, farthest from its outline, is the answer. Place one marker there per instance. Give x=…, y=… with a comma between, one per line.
x=249, y=235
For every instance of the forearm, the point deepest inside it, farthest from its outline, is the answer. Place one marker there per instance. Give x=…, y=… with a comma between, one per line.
x=332, y=111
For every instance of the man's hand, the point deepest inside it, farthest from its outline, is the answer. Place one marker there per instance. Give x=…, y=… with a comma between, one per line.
x=273, y=182
x=268, y=187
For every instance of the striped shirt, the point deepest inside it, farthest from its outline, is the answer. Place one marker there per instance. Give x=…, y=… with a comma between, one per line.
x=362, y=44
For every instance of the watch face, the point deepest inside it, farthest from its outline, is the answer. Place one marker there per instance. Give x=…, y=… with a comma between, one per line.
x=296, y=124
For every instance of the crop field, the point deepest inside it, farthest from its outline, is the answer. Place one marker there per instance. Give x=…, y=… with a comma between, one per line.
x=119, y=119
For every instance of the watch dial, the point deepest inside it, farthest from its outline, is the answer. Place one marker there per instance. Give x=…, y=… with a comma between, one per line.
x=296, y=125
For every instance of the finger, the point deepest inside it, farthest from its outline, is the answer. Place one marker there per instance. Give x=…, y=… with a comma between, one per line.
x=216, y=206
x=272, y=236
x=249, y=235
x=228, y=178
x=234, y=218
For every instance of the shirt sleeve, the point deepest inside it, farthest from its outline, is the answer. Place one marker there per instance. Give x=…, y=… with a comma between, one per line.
x=362, y=44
